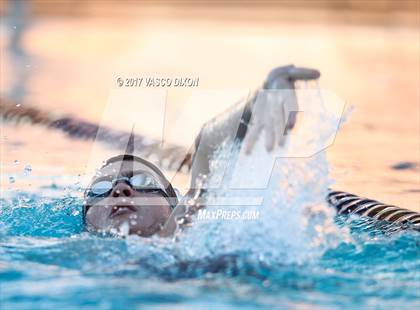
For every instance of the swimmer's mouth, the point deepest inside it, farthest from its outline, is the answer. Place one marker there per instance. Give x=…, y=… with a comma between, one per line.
x=120, y=210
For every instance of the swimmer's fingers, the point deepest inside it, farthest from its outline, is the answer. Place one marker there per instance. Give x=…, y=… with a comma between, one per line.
x=280, y=125
x=287, y=116
x=274, y=121
x=304, y=74
x=279, y=120
x=269, y=123
x=252, y=135
x=290, y=109
x=256, y=124
x=290, y=117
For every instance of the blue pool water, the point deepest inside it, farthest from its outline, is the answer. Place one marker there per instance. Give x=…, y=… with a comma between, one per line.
x=47, y=261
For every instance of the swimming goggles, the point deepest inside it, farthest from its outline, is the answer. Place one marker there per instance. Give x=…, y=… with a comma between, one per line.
x=139, y=182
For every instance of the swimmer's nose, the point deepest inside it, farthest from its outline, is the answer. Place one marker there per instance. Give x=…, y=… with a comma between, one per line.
x=122, y=189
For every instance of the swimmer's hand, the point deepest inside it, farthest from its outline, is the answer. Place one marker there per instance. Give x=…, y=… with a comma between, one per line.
x=275, y=106
x=273, y=115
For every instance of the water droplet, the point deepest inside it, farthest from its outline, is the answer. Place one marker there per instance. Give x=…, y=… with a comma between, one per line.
x=12, y=179
x=124, y=229
x=16, y=162
x=27, y=170
x=75, y=212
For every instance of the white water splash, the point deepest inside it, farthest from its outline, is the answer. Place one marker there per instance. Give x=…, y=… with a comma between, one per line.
x=27, y=170
x=124, y=229
x=295, y=223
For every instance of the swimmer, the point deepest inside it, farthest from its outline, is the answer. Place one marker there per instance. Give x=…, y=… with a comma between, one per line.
x=132, y=196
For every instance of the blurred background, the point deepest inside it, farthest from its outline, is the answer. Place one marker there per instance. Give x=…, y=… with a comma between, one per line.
x=64, y=57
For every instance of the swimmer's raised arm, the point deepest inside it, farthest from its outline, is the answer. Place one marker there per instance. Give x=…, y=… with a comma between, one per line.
x=266, y=110
x=244, y=122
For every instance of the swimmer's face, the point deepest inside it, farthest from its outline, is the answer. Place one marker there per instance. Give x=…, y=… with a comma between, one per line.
x=131, y=199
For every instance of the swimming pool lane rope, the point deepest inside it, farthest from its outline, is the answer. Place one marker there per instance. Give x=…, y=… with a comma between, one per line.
x=172, y=157
x=349, y=204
